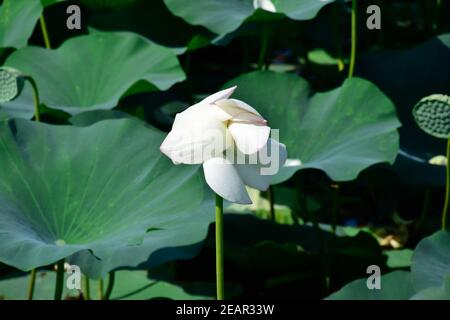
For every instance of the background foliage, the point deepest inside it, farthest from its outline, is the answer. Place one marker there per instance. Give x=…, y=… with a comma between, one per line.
x=89, y=184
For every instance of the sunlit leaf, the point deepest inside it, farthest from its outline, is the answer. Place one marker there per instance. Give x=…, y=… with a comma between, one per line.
x=95, y=71
x=341, y=132
x=431, y=261
x=102, y=195
x=396, y=285
x=17, y=21
x=222, y=17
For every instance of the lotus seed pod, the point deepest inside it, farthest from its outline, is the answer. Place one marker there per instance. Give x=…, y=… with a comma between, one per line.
x=432, y=115
x=11, y=84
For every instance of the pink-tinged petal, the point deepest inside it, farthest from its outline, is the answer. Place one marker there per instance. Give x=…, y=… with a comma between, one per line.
x=248, y=117
x=235, y=107
x=249, y=138
x=223, y=178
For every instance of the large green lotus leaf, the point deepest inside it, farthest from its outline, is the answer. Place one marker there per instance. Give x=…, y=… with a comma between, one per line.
x=17, y=21
x=300, y=10
x=435, y=293
x=103, y=190
x=431, y=261
x=22, y=106
x=400, y=258
x=153, y=20
x=396, y=285
x=95, y=71
x=166, y=246
x=341, y=132
x=46, y=3
x=222, y=17
x=88, y=118
x=129, y=285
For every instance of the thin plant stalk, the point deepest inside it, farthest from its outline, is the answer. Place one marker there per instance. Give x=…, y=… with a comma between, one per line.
x=100, y=289
x=264, y=46
x=323, y=254
x=261, y=62
x=37, y=113
x=45, y=32
x=245, y=56
x=301, y=199
x=438, y=15
x=324, y=272
x=187, y=63
x=330, y=249
x=37, y=118
x=87, y=289
x=59, y=279
x=31, y=284
x=380, y=32
x=447, y=189
x=335, y=210
x=220, y=283
x=353, y=50
x=271, y=196
x=425, y=209
x=109, y=288
x=337, y=36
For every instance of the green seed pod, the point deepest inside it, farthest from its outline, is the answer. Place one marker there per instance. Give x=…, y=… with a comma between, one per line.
x=432, y=115
x=11, y=83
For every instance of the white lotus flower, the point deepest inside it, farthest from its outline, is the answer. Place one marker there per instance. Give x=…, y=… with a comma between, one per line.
x=231, y=140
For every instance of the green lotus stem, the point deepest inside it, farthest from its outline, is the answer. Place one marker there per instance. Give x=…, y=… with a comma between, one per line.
x=87, y=289
x=323, y=254
x=45, y=32
x=380, y=3
x=438, y=11
x=264, y=46
x=31, y=284
x=425, y=208
x=447, y=189
x=59, y=279
x=337, y=37
x=245, y=56
x=330, y=248
x=100, y=289
x=271, y=196
x=220, y=283
x=37, y=113
x=109, y=288
x=187, y=62
x=353, y=50
x=301, y=196
x=334, y=212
